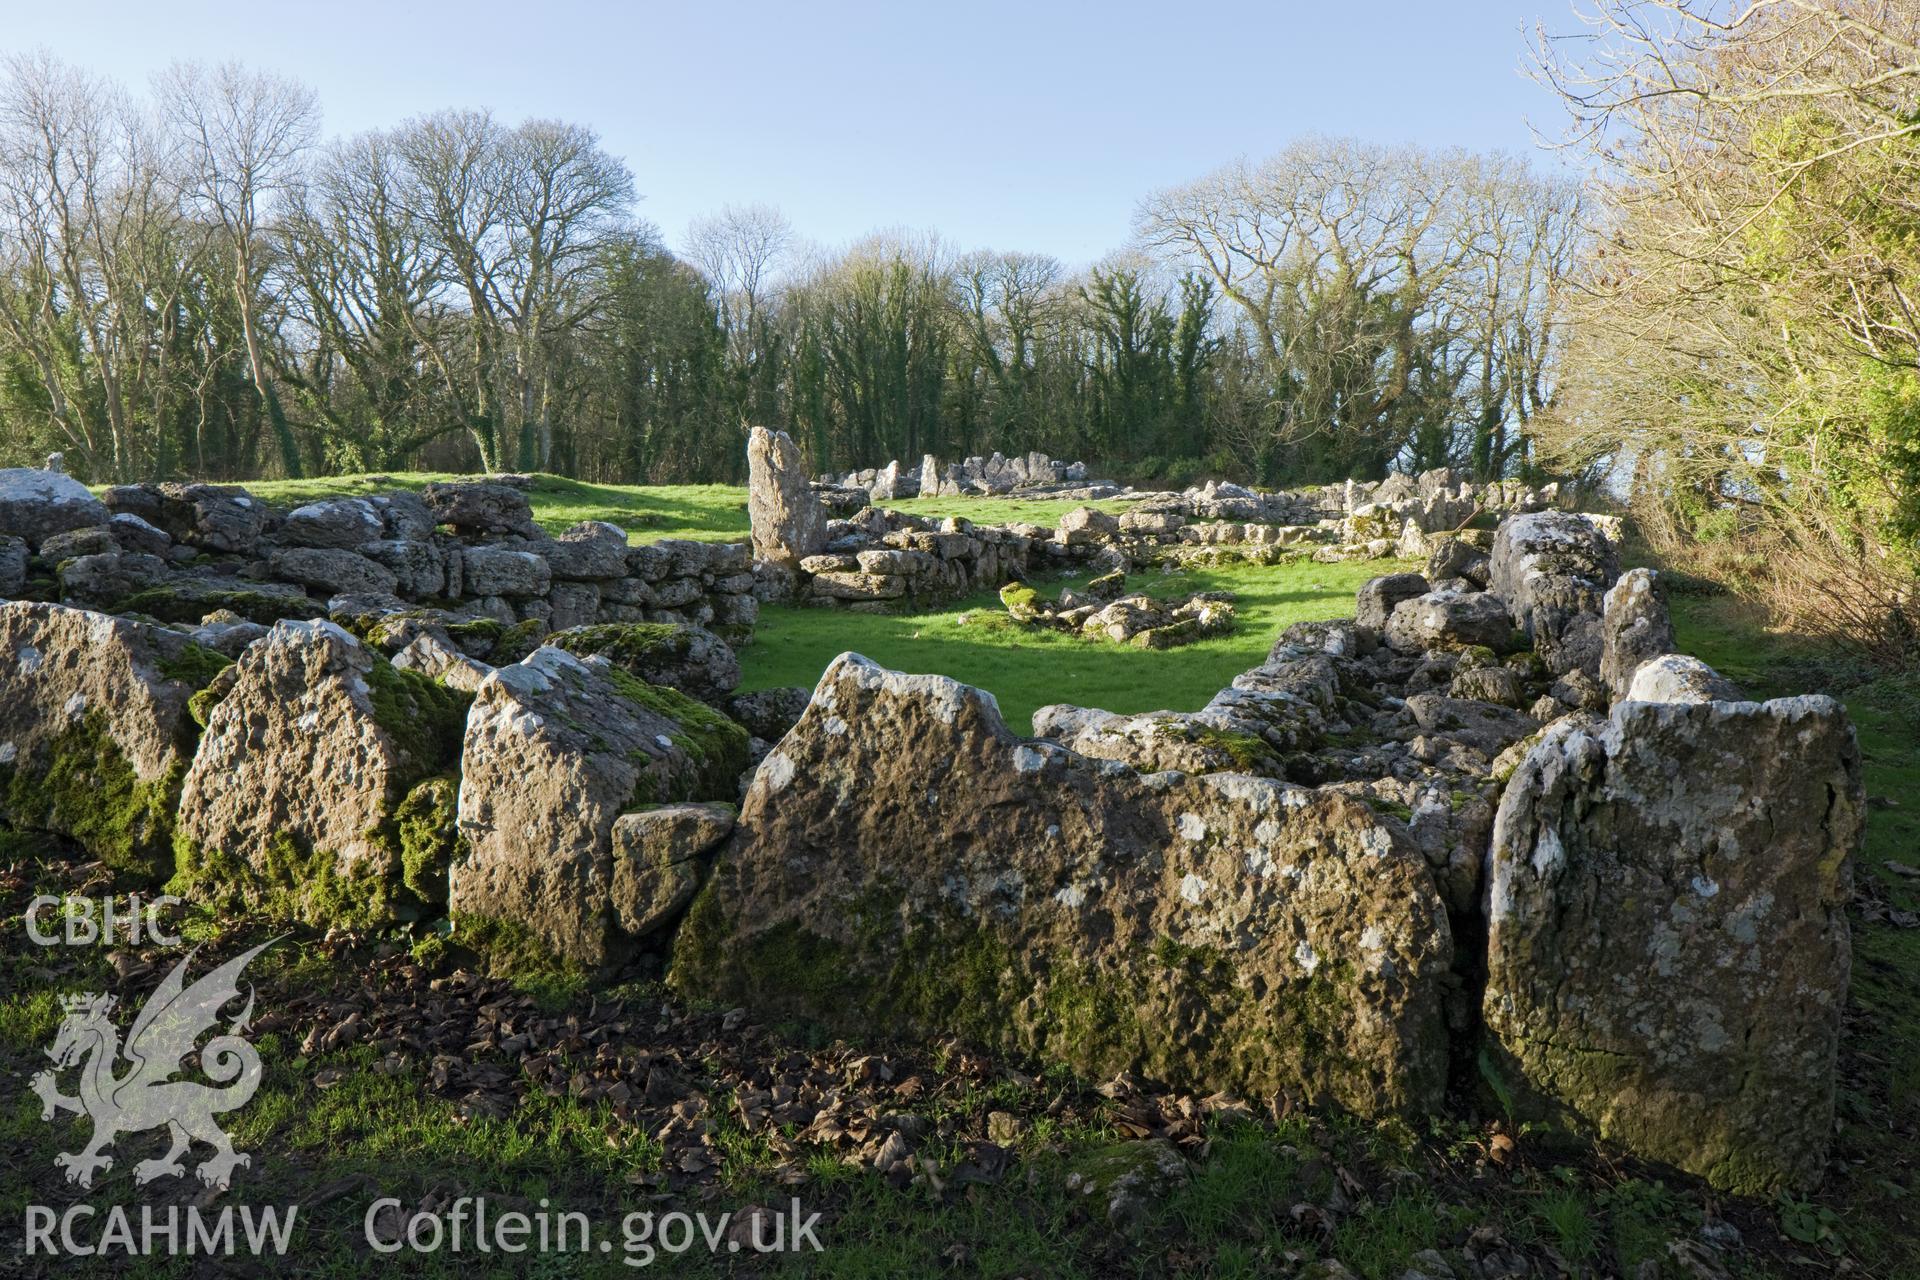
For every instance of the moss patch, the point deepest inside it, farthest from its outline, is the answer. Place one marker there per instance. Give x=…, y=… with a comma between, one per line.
x=716, y=745
x=427, y=838
x=90, y=793
x=517, y=641
x=292, y=883
x=195, y=665
x=426, y=720
x=173, y=604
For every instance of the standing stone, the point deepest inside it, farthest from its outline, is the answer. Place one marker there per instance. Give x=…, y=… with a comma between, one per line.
x=296, y=796
x=905, y=864
x=94, y=731
x=789, y=522
x=1636, y=628
x=1667, y=949
x=929, y=475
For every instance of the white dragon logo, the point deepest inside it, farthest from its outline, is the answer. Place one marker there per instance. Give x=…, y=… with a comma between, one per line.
x=144, y=1097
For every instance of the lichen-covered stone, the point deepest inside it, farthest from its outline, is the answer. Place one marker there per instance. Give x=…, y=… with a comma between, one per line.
x=1635, y=628
x=480, y=508
x=905, y=864
x=331, y=571
x=94, y=729
x=1668, y=949
x=557, y=747
x=293, y=797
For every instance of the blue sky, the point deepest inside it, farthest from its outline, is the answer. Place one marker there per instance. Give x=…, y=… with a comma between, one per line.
x=1013, y=126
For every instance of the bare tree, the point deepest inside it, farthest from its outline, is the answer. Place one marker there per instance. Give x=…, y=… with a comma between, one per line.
x=242, y=136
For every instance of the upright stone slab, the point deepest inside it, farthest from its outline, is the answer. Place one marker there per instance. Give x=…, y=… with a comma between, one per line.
x=789, y=522
x=557, y=748
x=1667, y=936
x=94, y=730
x=1635, y=628
x=298, y=798
x=906, y=865
x=1553, y=569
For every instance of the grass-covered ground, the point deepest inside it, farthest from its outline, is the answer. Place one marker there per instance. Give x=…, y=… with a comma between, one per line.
x=387, y=1077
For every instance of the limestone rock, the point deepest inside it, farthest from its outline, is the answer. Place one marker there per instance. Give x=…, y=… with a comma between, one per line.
x=13, y=565
x=789, y=522
x=1668, y=948
x=504, y=571
x=591, y=551
x=94, y=730
x=482, y=509
x=1449, y=620
x=1635, y=628
x=905, y=864
x=35, y=504
x=294, y=799
x=331, y=571
x=100, y=581
x=1553, y=569
x=1374, y=603
x=131, y=533
x=677, y=655
x=658, y=861
x=1454, y=557
x=340, y=523
x=557, y=747
x=1679, y=677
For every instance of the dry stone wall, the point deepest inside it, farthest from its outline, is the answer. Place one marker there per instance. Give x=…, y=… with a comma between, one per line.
x=1492, y=820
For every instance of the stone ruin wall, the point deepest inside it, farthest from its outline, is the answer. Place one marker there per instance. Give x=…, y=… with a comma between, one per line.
x=465, y=555
x=830, y=543
x=1494, y=820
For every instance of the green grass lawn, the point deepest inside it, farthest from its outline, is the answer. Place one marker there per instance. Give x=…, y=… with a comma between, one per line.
x=1027, y=668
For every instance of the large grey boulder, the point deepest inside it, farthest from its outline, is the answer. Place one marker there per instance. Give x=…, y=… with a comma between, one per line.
x=1635, y=628
x=1374, y=603
x=319, y=789
x=102, y=580
x=94, y=730
x=557, y=748
x=1447, y=620
x=1553, y=569
x=906, y=865
x=789, y=522
x=1667, y=937
x=36, y=504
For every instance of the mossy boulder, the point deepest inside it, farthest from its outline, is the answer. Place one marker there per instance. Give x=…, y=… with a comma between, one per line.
x=1667, y=950
x=95, y=732
x=189, y=599
x=906, y=865
x=557, y=748
x=675, y=655
x=305, y=796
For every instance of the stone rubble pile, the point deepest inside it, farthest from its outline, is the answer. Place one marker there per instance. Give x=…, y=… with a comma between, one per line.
x=1105, y=611
x=1027, y=475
